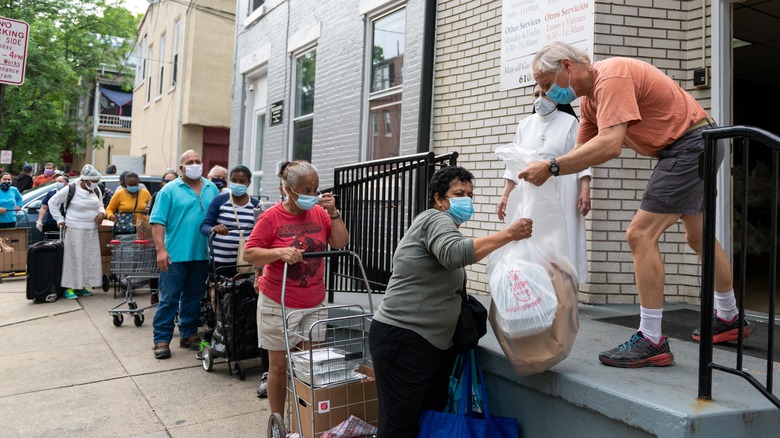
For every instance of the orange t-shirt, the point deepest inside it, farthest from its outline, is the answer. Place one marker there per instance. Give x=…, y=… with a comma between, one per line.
x=658, y=111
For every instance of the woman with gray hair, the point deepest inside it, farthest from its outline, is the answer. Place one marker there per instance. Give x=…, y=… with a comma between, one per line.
x=83, y=206
x=306, y=221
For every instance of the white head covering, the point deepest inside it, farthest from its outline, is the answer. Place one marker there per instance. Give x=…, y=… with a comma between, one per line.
x=89, y=173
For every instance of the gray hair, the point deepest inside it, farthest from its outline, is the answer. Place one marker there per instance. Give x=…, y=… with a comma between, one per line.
x=216, y=169
x=295, y=170
x=549, y=57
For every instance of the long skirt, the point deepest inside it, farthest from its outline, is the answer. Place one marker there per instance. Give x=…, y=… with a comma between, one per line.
x=81, y=265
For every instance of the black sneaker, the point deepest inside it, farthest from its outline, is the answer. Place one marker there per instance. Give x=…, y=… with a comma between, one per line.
x=726, y=331
x=639, y=352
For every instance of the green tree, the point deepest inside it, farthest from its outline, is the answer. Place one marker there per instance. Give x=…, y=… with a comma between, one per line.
x=69, y=41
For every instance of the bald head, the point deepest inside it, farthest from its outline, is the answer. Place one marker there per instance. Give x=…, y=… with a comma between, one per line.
x=190, y=165
x=189, y=157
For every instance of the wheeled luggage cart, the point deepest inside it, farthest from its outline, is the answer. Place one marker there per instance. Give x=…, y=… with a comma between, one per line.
x=135, y=260
x=328, y=381
x=235, y=308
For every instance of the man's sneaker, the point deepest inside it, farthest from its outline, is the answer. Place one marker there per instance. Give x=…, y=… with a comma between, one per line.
x=726, y=331
x=639, y=352
x=70, y=294
x=83, y=292
x=262, y=390
x=192, y=342
x=162, y=350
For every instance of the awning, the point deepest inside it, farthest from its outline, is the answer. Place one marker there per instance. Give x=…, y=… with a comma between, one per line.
x=118, y=97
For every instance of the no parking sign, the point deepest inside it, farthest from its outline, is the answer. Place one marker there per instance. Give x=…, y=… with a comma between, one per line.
x=14, y=35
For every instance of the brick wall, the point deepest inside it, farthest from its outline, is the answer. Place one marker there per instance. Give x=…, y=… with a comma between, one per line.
x=473, y=116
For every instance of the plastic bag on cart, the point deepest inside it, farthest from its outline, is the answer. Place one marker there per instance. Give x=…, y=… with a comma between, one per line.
x=520, y=273
x=352, y=427
x=235, y=333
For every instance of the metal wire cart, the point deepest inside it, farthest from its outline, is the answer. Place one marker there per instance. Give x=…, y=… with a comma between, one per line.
x=333, y=381
x=132, y=260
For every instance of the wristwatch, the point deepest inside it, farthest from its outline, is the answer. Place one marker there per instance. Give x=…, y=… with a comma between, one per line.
x=336, y=216
x=554, y=169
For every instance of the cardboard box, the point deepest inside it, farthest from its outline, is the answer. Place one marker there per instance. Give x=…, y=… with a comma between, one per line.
x=105, y=234
x=333, y=404
x=13, y=251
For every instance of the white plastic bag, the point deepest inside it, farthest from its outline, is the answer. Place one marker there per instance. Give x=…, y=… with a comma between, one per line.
x=519, y=273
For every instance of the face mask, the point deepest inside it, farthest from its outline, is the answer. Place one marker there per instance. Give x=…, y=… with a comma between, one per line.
x=306, y=202
x=91, y=185
x=544, y=106
x=219, y=182
x=132, y=189
x=58, y=185
x=193, y=171
x=461, y=209
x=561, y=95
x=237, y=189
x=48, y=172
x=5, y=186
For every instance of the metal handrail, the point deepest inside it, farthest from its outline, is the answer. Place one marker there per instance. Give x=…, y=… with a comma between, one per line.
x=706, y=365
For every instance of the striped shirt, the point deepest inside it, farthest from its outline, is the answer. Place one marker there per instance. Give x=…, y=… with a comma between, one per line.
x=226, y=247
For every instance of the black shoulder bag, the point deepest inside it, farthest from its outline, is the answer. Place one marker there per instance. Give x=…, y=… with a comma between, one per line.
x=472, y=322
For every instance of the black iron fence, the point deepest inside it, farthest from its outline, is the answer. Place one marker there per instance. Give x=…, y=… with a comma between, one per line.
x=747, y=138
x=378, y=201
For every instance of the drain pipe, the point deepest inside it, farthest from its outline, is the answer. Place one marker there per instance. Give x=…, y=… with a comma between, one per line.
x=426, y=78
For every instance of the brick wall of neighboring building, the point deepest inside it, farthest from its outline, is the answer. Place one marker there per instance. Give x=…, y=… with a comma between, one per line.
x=473, y=116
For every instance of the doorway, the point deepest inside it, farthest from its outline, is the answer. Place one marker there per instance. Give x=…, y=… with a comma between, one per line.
x=756, y=92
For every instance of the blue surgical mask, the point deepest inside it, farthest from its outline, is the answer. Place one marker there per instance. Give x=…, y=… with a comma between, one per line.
x=237, y=189
x=132, y=189
x=544, y=106
x=461, y=209
x=306, y=202
x=58, y=185
x=559, y=94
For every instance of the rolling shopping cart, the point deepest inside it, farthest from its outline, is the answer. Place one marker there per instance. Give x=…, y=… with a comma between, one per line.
x=235, y=310
x=329, y=382
x=134, y=260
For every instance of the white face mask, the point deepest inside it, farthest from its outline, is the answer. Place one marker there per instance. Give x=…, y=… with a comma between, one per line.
x=544, y=106
x=90, y=185
x=193, y=171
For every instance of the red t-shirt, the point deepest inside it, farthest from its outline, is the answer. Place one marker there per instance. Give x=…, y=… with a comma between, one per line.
x=309, y=232
x=658, y=111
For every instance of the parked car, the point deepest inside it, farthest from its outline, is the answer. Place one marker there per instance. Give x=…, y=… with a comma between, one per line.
x=32, y=199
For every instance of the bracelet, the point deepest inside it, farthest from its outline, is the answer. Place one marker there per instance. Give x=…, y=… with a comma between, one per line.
x=336, y=216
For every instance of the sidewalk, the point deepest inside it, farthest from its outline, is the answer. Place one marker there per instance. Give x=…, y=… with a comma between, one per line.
x=67, y=371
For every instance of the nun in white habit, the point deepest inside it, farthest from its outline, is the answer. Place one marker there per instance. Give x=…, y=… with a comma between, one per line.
x=552, y=131
x=81, y=265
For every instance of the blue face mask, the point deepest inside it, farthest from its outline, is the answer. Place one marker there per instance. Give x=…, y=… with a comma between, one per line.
x=5, y=186
x=132, y=189
x=559, y=94
x=237, y=189
x=219, y=182
x=306, y=202
x=461, y=209
x=58, y=185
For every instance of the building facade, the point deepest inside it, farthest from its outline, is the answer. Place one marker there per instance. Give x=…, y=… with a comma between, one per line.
x=355, y=113
x=182, y=98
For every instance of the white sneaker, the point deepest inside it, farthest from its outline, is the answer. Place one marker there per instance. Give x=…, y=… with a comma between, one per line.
x=262, y=390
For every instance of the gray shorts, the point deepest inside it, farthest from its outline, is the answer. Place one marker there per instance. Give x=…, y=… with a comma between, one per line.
x=675, y=185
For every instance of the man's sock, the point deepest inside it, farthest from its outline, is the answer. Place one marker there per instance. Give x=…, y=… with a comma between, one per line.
x=650, y=323
x=726, y=305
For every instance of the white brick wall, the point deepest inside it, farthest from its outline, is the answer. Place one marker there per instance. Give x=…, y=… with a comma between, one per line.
x=473, y=116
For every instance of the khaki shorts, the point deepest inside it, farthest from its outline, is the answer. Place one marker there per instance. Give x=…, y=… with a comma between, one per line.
x=270, y=327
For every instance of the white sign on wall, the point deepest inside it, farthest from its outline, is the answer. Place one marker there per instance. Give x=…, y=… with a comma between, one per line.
x=529, y=25
x=14, y=35
x=6, y=157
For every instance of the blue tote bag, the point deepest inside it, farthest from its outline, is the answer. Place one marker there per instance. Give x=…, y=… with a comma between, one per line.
x=467, y=414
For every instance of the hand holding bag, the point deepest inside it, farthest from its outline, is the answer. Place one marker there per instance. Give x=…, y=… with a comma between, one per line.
x=472, y=322
x=467, y=422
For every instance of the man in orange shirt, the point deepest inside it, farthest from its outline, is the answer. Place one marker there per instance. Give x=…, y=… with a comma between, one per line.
x=48, y=175
x=627, y=101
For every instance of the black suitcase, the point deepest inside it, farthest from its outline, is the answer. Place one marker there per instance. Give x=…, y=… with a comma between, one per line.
x=44, y=271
